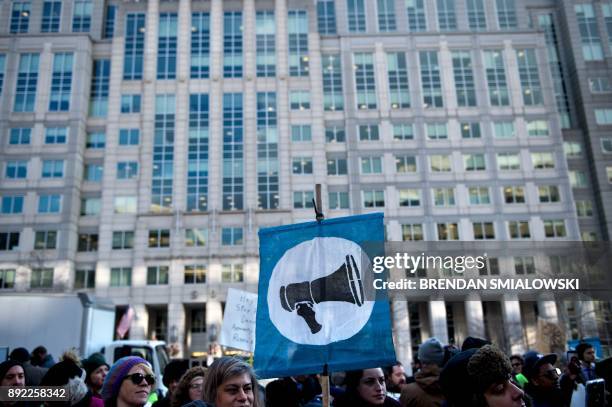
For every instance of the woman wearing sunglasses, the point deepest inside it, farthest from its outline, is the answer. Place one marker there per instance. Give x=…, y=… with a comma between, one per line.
x=190, y=387
x=128, y=383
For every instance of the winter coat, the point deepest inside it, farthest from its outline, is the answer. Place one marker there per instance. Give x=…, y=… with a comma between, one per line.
x=350, y=400
x=425, y=391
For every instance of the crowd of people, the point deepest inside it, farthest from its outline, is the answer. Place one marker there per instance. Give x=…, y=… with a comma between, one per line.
x=479, y=374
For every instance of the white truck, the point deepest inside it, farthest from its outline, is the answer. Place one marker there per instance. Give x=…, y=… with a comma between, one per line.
x=57, y=321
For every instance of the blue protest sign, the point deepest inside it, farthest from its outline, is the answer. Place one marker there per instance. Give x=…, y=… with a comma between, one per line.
x=313, y=306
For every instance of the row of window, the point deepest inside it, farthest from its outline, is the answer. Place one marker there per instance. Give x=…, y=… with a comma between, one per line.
x=51, y=16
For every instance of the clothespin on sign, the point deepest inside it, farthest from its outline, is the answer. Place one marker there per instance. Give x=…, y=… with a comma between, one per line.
x=317, y=203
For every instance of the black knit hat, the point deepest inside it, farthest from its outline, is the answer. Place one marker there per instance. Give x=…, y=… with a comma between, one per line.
x=94, y=361
x=473, y=342
x=174, y=370
x=6, y=366
x=20, y=355
x=60, y=373
x=454, y=380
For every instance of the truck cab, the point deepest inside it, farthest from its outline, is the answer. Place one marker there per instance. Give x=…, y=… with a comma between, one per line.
x=152, y=351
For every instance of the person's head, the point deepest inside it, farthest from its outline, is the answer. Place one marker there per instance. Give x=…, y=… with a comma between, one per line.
x=96, y=370
x=540, y=370
x=431, y=352
x=472, y=342
x=11, y=374
x=489, y=370
x=190, y=387
x=230, y=382
x=586, y=352
x=395, y=375
x=517, y=364
x=129, y=382
x=173, y=373
x=68, y=373
x=367, y=385
x=39, y=353
x=21, y=355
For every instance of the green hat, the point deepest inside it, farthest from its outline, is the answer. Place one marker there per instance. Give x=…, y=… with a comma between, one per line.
x=94, y=361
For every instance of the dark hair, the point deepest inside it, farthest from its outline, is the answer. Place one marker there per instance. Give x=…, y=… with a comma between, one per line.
x=517, y=357
x=581, y=348
x=224, y=369
x=181, y=395
x=388, y=370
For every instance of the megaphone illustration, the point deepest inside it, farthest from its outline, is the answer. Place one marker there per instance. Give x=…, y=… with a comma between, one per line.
x=344, y=284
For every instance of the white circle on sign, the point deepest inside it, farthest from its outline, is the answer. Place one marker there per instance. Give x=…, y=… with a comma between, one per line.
x=321, y=257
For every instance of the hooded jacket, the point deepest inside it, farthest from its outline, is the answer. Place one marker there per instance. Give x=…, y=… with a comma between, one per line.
x=425, y=391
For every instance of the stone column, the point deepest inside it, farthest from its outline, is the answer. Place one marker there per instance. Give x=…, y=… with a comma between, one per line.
x=511, y=310
x=401, y=332
x=474, y=316
x=437, y=320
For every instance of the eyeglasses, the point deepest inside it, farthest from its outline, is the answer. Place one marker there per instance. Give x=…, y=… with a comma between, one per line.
x=137, y=378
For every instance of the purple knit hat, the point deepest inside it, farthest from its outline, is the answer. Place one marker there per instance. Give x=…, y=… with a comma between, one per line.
x=116, y=374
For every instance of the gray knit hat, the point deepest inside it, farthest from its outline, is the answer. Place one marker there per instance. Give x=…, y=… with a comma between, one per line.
x=432, y=352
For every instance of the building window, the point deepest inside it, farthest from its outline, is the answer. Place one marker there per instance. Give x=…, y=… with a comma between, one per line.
x=127, y=169
x=52, y=12
x=431, y=80
x=232, y=237
x=554, y=228
x=200, y=45
x=448, y=231
x=45, y=240
x=197, y=318
x=159, y=238
x=134, y=46
x=474, y=162
x=403, y=132
x=335, y=134
x=603, y=117
x=368, y=132
x=265, y=40
x=386, y=15
x=514, y=194
x=584, y=209
x=496, y=78
x=52, y=169
x=130, y=103
x=412, y=232
x=20, y=136
x=365, y=83
x=163, y=150
x=7, y=279
x=20, y=17
x=332, y=82
x=373, y=199
x=524, y=265
x=326, y=17
x=121, y=277
x=299, y=99
x=529, y=76
x=56, y=135
x=600, y=85
x=436, y=131
x=16, y=170
x=397, y=72
x=302, y=199
x=337, y=166
x=405, y=164
x=267, y=150
x=2, y=62
x=371, y=165
x=609, y=174
x=11, y=204
x=356, y=16
x=479, y=195
x=298, y=43
x=483, y=230
x=301, y=132
x=129, y=137
x=409, y=197
x=81, y=16
x=9, y=240
x=302, y=165
x=444, y=197
x=166, y=46
x=447, y=18
x=49, y=203
x=339, y=200
x=41, y=278
x=538, y=128
x=197, y=169
x=27, y=80
x=606, y=145
x=506, y=14
x=508, y=162
x=61, y=83
x=548, y=194
x=477, y=20
x=93, y=172
x=440, y=163
x=519, y=230
x=233, y=153
x=504, y=130
x=417, y=20
x=464, y=78
x=84, y=278
x=578, y=179
x=123, y=240
x=195, y=274
x=607, y=13
x=542, y=161
x=90, y=206
x=491, y=267
x=470, y=130
x=88, y=242
x=589, y=32
x=232, y=273
x=157, y=275
x=232, y=44
x=196, y=237
x=109, y=21
x=95, y=140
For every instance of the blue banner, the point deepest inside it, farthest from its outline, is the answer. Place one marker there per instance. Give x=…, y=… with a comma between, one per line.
x=316, y=304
